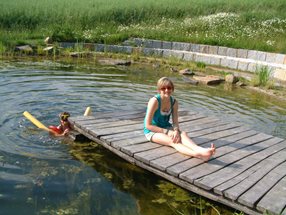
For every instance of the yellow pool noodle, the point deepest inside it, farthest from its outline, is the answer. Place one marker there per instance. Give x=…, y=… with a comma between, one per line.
x=87, y=111
x=35, y=121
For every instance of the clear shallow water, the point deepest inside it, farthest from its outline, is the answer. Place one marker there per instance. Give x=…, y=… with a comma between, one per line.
x=43, y=175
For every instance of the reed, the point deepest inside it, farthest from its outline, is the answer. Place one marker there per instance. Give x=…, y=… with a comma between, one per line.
x=262, y=77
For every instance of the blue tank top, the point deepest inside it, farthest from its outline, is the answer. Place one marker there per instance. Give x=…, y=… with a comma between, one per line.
x=160, y=119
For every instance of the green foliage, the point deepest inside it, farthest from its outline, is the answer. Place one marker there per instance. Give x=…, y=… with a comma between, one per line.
x=263, y=77
x=201, y=65
x=2, y=48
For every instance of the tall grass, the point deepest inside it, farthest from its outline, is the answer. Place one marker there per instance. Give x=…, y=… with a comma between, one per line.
x=263, y=77
x=239, y=24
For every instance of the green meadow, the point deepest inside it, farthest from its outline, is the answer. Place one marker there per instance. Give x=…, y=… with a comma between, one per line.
x=249, y=24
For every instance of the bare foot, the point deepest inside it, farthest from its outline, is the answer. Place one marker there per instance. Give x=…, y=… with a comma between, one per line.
x=213, y=149
x=205, y=154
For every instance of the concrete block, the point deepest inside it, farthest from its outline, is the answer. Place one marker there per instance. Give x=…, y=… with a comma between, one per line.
x=157, y=44
x=166, y=45
x=138, y=42
x=230, y=52
x=181, y=46
x=202, y=58
x=229, y=63
x=177, y=54
x=148, y=44
x=242, y=53
x=252, y=67
x=167, y=53
x=126, y=49
x=261, y=56
x=158, y=52
x=112, y=48
x=279, y=74
x=67, y=45
x=189, y=56
x=213, y=50
x=256, y=55
x=99, y=47
x=251, y=54
x=204, y=49
x=214, y=60
x=280, y=58
x=242, y=65
x=195, y=48
x=148, y=51
x=88, y=46
x=270, y=57
x=222, y=51
x=233, y=64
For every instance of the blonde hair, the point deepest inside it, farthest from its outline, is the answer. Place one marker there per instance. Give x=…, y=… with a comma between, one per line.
x=164, y=81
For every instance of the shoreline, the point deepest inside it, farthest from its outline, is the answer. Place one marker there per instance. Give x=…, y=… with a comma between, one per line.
x=167, y=63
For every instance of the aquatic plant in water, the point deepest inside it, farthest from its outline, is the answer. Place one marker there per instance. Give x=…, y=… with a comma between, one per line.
x=262, y=77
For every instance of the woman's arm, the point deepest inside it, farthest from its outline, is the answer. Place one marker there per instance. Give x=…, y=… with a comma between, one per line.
x=175, y=116
x=152, y=107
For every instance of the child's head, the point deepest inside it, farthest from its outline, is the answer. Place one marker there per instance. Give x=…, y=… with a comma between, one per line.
x=165, y=82
x=64, y=116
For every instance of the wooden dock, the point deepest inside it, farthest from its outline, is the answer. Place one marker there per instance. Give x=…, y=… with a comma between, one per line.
x=248, y=171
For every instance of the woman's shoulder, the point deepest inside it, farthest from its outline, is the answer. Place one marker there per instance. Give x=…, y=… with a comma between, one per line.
x=153, y=101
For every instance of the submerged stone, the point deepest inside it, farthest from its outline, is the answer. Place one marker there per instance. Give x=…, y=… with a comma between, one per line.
x=208, y=80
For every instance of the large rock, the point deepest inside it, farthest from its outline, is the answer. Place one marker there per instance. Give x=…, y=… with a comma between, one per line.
x=190, y=81
x=186, y=72
x=208, y=80
x=231, y=79
x=25, y=48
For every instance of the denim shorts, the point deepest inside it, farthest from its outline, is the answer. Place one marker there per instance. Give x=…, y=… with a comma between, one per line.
x=151, y=133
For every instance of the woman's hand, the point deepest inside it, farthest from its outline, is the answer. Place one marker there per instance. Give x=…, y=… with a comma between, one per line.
x=175, y=135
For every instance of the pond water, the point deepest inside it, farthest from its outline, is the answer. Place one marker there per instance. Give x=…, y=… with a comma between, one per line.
x=40, y=174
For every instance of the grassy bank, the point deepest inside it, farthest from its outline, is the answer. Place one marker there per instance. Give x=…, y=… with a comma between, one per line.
x=250, y=24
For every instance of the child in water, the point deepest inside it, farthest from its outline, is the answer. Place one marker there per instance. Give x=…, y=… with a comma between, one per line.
x=64, y=127
x=158, y=129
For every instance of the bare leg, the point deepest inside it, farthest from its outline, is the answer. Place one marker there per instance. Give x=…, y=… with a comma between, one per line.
x=194, y=151
x=188, y=142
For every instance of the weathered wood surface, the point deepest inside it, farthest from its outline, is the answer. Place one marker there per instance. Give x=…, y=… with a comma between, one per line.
x=248, y=171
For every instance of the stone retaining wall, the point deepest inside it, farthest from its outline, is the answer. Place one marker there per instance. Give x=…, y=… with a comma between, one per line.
x=238, y=59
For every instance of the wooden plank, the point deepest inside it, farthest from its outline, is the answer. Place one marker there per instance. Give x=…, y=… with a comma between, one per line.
x=203, y=124
x=131, y=134
x=218, y=135
x=131, y=150
x=256, y=192
x=275, y=200
x=164, y=164
x=123, y=136
x=119, y=123
x=213, y=129
x=183, y=166
x=240, y=183
x=261, y=170
x=218, y=163
x=100, y=132
x=212, y=180
x=150, y=155
x=239, y=151
x=130, y=141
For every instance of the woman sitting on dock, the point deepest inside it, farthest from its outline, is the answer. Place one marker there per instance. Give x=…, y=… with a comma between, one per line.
x=158, y=129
